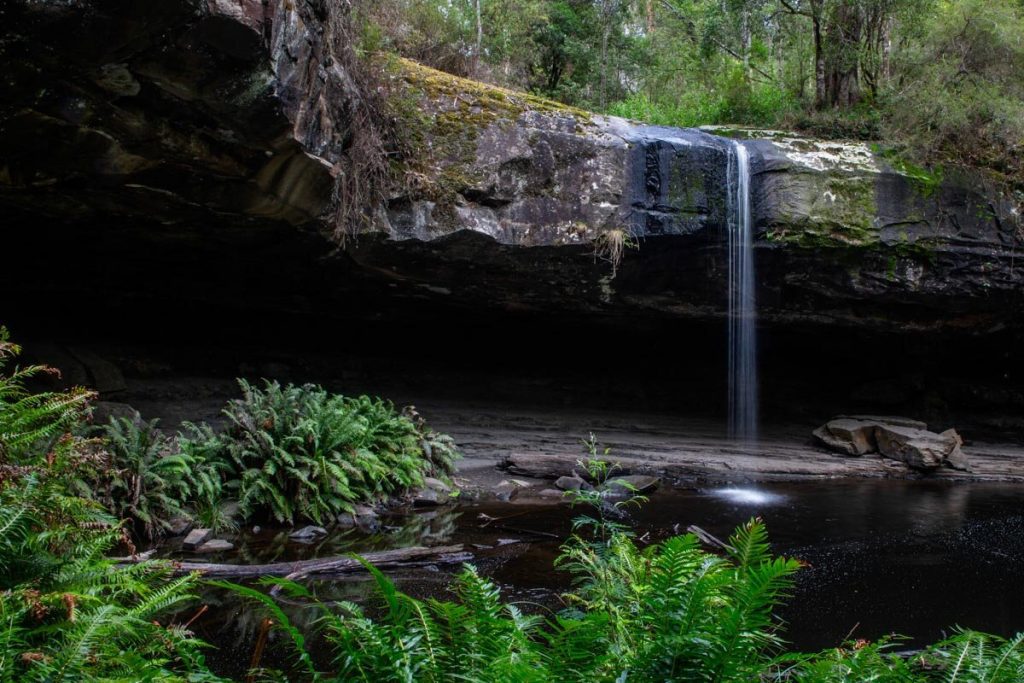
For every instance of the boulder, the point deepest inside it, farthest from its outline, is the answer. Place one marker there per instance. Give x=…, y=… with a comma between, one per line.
x=104, y=411
x=216, y=545
x=956, y=459
x=179, y=526
x=196, y=538
x=899, y=438
x=918, y=448
x=362, y=517
x=437, y=485
x=633, y=484
x=848, y=435
x=887, y=419
x=307, y=533
x=572, y=483
x=427, y=497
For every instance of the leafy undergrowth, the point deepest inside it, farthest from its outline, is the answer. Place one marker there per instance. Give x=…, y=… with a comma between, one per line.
x=299, y=452
x=290, y=453
x=668, y=612
x=66, y=612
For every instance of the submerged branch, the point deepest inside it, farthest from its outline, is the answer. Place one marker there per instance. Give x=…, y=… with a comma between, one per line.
x=326, y=567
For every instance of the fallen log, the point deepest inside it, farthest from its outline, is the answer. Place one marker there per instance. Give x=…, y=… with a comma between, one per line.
x=328, y=566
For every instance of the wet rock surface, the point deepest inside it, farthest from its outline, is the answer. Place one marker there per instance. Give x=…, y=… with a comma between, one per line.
x=138, y=138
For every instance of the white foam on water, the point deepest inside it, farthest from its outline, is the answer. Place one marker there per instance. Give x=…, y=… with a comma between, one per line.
x=747, y=496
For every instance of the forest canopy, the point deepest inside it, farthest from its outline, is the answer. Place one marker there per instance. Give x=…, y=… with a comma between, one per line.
x=941, y=82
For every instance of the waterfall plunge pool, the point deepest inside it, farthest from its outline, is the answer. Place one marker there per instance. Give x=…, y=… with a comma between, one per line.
x=909, y=557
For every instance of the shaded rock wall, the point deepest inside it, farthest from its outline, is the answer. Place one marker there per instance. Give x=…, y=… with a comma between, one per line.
x=168, y=170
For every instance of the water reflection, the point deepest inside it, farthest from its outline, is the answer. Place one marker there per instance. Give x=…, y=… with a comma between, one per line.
x=913, y=557
x=747, y=496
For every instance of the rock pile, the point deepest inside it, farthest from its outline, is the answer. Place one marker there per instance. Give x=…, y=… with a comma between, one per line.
x=899, y=438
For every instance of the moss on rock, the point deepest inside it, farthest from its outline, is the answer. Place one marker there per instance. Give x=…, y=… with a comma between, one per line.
x=443, y=117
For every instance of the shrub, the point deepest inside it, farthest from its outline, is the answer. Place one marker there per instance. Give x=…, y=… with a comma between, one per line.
x=670, y=612
x=736, y=102
x=143, y=479
x=29, y=422
x=66, y=613
x=298, y=451
x=677, y=613
x=961, y=100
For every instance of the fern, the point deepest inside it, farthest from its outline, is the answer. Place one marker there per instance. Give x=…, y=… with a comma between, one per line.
x=299, y=452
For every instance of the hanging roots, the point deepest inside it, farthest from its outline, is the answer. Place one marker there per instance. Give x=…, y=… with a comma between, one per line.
x=363, y=172
x=611, y=246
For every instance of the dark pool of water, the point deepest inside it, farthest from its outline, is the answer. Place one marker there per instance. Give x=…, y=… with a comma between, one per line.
x=913, y=558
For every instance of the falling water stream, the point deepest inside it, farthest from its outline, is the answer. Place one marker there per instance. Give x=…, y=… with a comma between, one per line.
x=742, y=302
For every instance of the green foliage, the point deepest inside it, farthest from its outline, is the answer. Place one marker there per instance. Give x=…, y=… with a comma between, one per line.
x=858, y=123
x=143, y=479
x=740, y=102
x=299, y=451
x=941, y=82
x=962, y=97
x=66, y=612
x=668, y=612
x=31, y=421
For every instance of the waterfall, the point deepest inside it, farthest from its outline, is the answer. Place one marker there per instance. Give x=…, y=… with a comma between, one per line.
x=742, y=302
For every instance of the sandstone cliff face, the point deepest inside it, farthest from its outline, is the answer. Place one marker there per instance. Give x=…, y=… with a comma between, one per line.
x=188, y=148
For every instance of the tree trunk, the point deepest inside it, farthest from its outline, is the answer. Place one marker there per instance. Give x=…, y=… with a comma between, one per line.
x=746, y=37
x=479, y=39
x=604, y=65
x=819, y=65
x=842, y=62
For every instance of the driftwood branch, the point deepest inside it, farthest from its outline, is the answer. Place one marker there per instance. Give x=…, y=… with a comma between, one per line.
x=329, y=566
x=707, y=538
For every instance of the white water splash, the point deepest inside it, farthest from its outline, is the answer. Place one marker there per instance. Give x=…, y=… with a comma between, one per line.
x=747, y=496
x=743, y=390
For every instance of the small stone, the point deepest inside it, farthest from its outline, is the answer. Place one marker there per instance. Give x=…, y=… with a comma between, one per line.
x=633, y=484
x=307, y=532
x=573, y=483
x=196, y=538
x=437, y=485
x=550, y=493
x=428, y=497
x=508, y=541
x=217, y=545
x=256, y=529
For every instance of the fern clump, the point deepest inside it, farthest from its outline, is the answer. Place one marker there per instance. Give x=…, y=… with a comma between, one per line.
x=142, y=478
x=31, y=421
x=669, y=612
x=66, y=612
x=301, y=452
